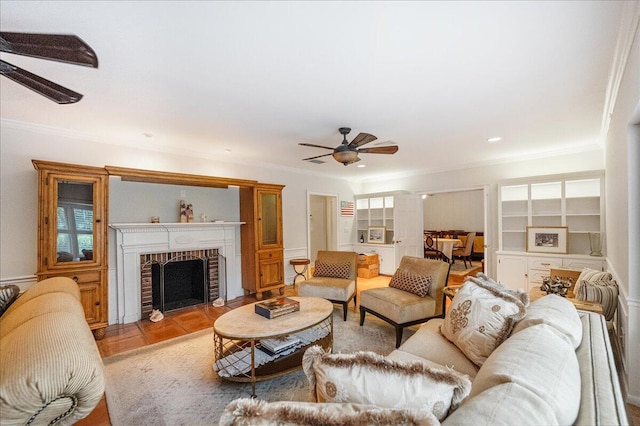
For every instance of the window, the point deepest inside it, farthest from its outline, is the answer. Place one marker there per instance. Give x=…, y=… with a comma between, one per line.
x=75, y=229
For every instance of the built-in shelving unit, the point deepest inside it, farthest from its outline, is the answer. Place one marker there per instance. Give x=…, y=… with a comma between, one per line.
x=375, y=211
x=574, y=203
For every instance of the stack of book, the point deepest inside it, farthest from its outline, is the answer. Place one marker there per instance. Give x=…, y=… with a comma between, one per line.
x=277, y=345
x=274, y=308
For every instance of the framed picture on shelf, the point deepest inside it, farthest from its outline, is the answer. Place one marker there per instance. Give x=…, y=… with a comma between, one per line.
x=375, y=234
x=547, y=239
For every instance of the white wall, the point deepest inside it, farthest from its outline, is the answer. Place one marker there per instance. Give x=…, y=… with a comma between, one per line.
x=19, y=191
x=454, y=210
x=623, y=211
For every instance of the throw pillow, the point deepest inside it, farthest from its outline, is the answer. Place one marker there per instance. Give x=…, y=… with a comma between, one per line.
x=412, y=283
x=558, y=313
x=594, y=277
x=247, y=411
x=482, y=316
x=606, y=295
x=370, y=378
x=8, y=295
x=332, y=270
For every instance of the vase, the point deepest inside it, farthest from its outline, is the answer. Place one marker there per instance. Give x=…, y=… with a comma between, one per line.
x=596, y=244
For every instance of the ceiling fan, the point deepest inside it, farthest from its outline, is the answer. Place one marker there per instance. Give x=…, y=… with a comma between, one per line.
x=55, y=47
x=347, y=152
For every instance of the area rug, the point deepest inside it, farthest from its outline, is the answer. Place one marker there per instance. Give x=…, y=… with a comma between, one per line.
x=173, y=382
x=458, y=268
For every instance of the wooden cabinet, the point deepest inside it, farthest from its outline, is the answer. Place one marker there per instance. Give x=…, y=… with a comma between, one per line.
x=261, y=239
x=72, y=233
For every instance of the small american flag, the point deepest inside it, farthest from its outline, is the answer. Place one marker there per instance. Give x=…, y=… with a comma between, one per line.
x=346, y=208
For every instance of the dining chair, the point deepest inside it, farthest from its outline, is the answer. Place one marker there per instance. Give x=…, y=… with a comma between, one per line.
x=431, y=250
x=465, y=252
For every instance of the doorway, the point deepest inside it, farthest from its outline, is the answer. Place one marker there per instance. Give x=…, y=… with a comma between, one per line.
x=322, y=223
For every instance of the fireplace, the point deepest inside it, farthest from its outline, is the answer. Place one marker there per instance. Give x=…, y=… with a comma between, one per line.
x=137, y=246
x=176, y=280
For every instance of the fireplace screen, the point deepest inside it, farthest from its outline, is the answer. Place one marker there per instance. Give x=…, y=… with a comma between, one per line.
x=177, y=280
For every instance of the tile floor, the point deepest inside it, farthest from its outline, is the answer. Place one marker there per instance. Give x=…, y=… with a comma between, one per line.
x=121, y=338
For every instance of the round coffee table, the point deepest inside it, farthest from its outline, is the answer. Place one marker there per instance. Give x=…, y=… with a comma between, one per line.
x=239, y=356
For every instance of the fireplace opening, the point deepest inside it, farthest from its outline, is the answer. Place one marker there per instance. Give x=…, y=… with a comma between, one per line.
x=179, y=284
x=175, y=280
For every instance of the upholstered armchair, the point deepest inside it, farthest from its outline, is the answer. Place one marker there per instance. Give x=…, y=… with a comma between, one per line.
x=335, y=278
x=415, y=294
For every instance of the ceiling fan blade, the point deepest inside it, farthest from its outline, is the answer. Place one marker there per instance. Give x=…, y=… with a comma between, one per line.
x=379, y=150
x=317, y=156
x=56, y=47
x=46, y=88
x=316, y=146
x=362, y=139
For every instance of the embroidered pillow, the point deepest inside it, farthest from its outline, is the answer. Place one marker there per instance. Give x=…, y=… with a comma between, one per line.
x=482, y=315
x=370, y=378
x=331, y=270
x=8, y=295
x=247, y=411
x=412, y=283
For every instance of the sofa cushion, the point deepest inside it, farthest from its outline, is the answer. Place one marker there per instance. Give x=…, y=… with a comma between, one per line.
x=504, y=404
x=8, y=295
x=429, y=343
x=246, y=411
x=482, y=316
x=406, y=281
x=334, y=270
x=557, y=312
x=542, y=362
x=369, y=378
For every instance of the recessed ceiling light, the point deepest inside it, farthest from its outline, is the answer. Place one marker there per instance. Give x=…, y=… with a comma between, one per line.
x=494, y=139
x=361, y=165
x=148, y=135
x=227, y=150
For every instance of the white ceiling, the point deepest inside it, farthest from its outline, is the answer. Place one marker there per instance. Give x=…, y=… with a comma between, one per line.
x=257, y=78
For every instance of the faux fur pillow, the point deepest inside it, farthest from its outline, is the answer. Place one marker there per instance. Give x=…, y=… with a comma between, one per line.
x=332, y=270
x=412, y=283
x=248, y=411
x=369, y=378
x=482, y=316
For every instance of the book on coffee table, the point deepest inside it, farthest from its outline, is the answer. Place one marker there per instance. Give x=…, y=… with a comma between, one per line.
x=277, y=345
x=274, y=308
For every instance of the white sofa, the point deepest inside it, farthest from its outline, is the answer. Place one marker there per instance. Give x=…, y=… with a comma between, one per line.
x=555, y=367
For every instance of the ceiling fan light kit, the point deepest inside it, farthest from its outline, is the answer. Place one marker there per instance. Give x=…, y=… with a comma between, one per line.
x=347, y=152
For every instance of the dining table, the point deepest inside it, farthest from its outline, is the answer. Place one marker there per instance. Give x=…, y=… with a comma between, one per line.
x=446, y=245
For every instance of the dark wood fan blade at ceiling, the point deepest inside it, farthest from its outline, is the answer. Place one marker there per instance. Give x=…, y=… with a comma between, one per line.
x=317, y=156
x=361, y=139
x=55, y=47
x=380, y=150
x=46, y=88
x=315, y=146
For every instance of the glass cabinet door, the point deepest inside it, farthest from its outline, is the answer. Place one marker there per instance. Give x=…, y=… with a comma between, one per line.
x=72, y=221
x=269, y=210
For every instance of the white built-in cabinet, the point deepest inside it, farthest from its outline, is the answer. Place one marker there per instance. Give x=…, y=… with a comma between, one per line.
x=575, y=202
x=400, y=216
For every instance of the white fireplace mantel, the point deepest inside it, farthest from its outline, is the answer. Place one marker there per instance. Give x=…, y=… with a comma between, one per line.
x=135, y=239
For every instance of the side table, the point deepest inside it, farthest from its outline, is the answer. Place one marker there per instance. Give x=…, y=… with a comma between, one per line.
x=304, y=263
x=451, y=290
x=582, y=305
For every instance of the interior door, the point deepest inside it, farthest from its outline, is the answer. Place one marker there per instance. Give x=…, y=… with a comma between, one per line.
x=407, y=218
x=322, y=223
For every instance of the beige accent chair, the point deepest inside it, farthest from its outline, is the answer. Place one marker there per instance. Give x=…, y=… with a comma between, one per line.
x=465, y=252
x=334, y=289
x=403, y=309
